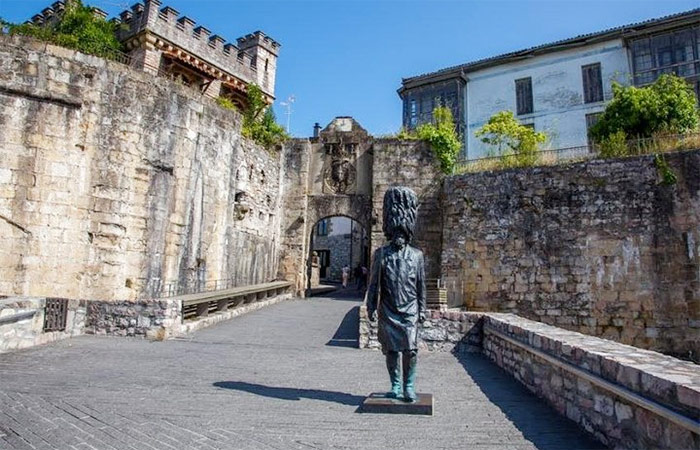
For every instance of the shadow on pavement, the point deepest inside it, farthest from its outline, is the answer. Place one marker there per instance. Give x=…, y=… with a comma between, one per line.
x=347, y=334
x=283, y=393
x=539, y=423
x=345, y=294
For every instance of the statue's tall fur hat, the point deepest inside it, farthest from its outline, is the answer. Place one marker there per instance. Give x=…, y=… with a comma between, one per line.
x=400, y=211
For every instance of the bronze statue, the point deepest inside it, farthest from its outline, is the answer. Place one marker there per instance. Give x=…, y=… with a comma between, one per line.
x=397, y=291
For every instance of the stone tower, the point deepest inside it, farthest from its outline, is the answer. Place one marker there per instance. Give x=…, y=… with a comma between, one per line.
x=263, y=51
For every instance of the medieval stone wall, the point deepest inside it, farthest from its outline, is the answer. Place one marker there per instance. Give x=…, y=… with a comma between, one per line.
x=410, y=164
x=599, y=247
x=114, y=183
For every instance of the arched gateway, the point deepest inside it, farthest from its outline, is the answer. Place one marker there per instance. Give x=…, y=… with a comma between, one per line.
x=343, y=171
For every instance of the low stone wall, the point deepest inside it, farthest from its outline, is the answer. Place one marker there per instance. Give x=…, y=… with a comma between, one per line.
x=147, y=318
x=22, y=322
x=625, y=396
x=22, y=319
x=442, y=331
x=158, y=319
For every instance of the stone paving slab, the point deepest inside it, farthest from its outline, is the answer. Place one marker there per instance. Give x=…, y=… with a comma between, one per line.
x=280, y=378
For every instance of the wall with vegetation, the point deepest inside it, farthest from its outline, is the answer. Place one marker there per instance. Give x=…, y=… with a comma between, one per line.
x=605, y=247
x=114, y=183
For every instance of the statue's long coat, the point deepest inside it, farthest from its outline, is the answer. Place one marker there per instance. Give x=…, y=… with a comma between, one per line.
x=397, y=292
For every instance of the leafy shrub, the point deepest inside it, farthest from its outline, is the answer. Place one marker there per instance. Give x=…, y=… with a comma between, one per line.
x=666, y=106
x=442, y=137
x=614, y=145
x=259, y=122
x=78, y=28
x=226, y=103
x=516, y=144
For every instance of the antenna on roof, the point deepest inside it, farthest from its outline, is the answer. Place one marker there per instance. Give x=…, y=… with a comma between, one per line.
x=288, y=104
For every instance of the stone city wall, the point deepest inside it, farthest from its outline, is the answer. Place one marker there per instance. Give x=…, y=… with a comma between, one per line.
x=411, y=164
x=115, y=183
x=22, y=322
x=600, y=247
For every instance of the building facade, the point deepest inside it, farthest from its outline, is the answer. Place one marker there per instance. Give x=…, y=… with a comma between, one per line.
x=160, y=41
x=558, y=88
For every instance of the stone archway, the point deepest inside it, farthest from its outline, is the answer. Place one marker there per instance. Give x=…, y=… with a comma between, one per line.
x=344, y=171
x=331, y=176
x=334, y=242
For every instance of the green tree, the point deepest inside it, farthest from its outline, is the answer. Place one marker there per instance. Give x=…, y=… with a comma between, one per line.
x=516, y=144
x=666, y=106
x=78, y=28
x=442, y=137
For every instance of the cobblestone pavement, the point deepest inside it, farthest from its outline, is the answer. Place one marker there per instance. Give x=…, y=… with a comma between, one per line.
x=285, y=377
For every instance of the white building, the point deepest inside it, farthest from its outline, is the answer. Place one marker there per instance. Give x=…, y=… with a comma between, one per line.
x=559, y=88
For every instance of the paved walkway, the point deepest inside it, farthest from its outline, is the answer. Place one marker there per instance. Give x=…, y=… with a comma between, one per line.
x=285, y=377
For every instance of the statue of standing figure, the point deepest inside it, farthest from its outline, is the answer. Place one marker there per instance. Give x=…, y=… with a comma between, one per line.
x=396, y=294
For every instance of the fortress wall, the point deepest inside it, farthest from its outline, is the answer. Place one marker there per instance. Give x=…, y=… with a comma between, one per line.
x=411, y=164
x=600, y=247
x=114, y=183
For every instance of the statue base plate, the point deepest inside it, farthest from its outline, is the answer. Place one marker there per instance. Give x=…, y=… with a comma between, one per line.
x=380, y=404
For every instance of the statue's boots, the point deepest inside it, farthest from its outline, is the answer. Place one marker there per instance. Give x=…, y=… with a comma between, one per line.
x=410, y=360
x=392, y=365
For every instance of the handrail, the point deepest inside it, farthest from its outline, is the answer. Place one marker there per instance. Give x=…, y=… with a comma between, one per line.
x=618, y=390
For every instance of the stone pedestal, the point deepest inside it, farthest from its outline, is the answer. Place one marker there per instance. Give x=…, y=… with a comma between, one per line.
x=378, y=403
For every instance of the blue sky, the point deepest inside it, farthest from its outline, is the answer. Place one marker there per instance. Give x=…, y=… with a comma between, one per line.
x=347, y=57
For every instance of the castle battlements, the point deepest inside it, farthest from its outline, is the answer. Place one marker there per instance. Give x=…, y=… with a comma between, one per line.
x=52, y=13
x=161, y=41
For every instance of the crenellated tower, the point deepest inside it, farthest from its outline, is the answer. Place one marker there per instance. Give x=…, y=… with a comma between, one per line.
x=159, y=40
x=263, y=51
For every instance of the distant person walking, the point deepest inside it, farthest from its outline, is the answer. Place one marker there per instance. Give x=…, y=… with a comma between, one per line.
x=346, y=275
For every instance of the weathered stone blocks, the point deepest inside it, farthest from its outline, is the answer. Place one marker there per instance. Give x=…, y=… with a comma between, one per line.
x=117, y=184
x=599, y=247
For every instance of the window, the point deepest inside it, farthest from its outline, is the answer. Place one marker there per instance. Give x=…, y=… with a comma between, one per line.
x=523, y=95
x=413, y=114
x=322, y=228
x=419, y=102
x=529, y=125
x=592, y=83
x=670, y=52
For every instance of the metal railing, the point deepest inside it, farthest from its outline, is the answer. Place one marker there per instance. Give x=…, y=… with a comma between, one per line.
x=174, y=288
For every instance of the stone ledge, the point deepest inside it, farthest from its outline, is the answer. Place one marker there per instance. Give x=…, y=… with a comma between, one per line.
x=626, y=397
x=660, y=377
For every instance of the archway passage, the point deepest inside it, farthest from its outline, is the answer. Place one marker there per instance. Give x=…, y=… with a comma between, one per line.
x=339, y=255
